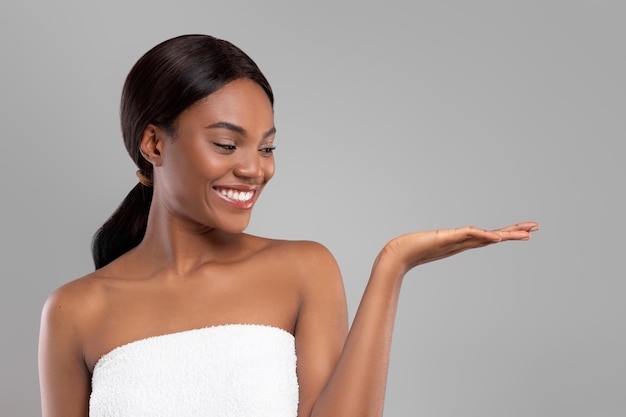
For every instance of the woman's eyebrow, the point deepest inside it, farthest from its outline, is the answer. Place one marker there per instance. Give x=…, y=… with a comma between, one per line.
x=269, y=132
x=237, y=129
x=227, y=125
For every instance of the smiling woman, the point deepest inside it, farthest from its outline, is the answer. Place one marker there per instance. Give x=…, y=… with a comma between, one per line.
x=161, y=86
x=188, y=315
x=214, y=165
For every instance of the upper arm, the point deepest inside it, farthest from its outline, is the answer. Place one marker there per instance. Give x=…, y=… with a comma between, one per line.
x=65, y=381
x=322, y=323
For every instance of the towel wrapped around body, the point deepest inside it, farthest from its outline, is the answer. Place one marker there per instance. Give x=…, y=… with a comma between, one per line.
x=231, y=370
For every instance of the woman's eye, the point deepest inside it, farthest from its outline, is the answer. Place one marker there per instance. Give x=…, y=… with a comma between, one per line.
x=268, y=149
x=226, y=146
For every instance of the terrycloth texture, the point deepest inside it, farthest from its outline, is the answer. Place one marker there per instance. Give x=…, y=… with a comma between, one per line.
x=232, y=370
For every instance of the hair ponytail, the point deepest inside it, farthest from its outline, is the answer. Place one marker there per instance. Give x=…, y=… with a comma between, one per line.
x=124, y=229
x=164, y=82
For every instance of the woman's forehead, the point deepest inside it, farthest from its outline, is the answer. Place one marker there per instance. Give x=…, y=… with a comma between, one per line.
x=241, y=102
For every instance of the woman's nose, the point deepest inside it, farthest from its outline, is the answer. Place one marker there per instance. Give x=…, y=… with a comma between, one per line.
x=250, y=166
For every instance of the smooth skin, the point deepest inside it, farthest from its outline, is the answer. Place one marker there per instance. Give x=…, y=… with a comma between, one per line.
x=196, y=268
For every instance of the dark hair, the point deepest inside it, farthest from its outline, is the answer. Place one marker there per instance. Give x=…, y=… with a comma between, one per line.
x=164, y=82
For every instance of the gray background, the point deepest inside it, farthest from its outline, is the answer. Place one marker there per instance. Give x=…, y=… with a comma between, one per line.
x=392, y=117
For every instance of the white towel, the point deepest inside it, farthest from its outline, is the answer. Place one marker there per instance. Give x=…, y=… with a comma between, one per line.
x=236, y=370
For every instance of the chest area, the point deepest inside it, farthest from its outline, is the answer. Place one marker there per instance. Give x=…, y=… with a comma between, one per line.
x=145, y=309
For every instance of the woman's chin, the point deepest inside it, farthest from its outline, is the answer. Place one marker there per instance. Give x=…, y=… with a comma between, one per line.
x=234, y=227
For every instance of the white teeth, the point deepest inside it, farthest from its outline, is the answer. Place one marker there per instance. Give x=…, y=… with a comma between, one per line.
x=237, y=195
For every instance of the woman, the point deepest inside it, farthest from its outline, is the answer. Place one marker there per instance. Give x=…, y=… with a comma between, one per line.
x=187, y=315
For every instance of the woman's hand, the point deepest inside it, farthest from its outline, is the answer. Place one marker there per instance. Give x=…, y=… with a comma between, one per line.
x=412, y=249
x=357, y=384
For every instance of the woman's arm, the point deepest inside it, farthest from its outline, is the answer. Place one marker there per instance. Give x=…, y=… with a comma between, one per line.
x=356, y=385
x=64, y=379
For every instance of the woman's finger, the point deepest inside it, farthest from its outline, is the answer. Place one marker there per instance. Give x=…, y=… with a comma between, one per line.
x=526, y=226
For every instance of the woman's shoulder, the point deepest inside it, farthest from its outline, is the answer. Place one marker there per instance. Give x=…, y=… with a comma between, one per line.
x=306, y=259
x=79, y=288
x=76, y=300
x=302, y=251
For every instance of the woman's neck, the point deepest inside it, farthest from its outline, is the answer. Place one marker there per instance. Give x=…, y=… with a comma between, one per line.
x=179, y=244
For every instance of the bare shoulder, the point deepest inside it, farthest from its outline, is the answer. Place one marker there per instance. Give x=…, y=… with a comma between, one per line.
x=305, y=248
x=64, y=375
x=303, y=253
x=74, y=304
x=310, y=262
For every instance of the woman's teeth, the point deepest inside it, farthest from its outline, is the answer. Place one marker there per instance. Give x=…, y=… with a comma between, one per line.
x=237, y=195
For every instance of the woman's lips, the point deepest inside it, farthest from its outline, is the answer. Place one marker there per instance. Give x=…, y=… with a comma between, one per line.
x=240, y=198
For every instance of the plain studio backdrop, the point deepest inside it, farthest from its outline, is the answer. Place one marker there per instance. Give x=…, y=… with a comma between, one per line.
x=392, y=117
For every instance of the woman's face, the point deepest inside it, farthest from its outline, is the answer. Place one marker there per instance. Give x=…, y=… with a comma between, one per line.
x=214, y=169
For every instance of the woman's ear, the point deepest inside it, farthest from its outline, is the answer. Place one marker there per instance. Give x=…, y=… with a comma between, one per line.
x=151, y=144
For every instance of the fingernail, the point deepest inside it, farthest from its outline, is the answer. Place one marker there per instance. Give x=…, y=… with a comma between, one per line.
x=534, y=228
